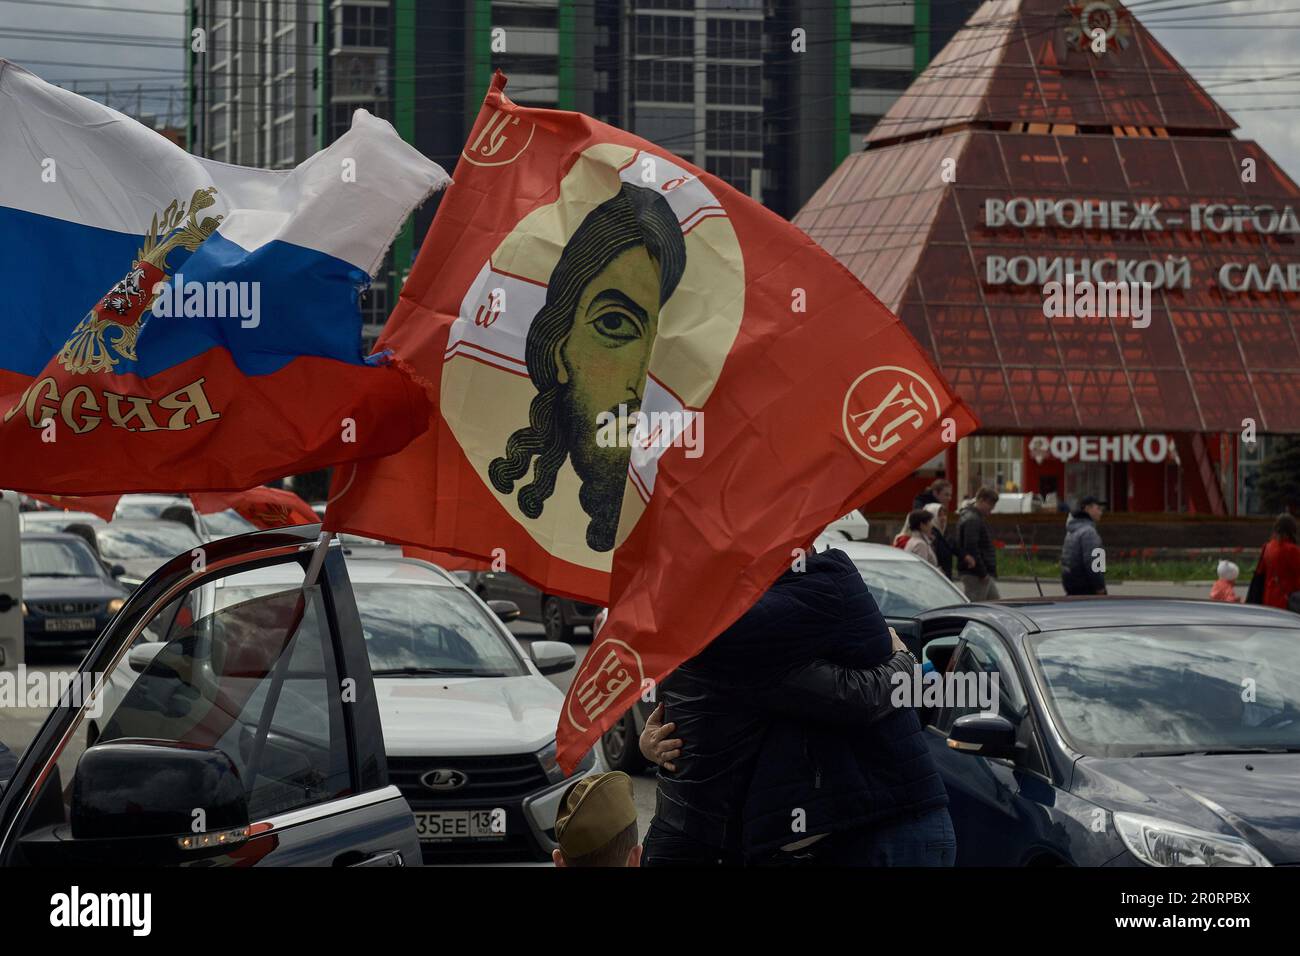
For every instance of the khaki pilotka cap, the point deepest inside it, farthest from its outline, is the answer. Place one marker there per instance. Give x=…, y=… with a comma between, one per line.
x=593, y=812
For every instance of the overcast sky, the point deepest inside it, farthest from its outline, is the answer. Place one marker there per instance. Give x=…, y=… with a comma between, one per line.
x=1231, y=55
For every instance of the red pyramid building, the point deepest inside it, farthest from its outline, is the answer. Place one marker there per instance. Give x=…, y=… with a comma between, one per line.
x=1021, y=154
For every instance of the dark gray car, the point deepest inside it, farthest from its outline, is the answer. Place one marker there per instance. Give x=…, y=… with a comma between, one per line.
x=560, y=616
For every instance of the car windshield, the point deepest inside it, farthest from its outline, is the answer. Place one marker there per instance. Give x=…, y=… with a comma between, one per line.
x=906, y=588
x=228, y=522
x=130, y=507
x=59, y=559
x=415, y=630
x=163, y=539
x=1149, y=691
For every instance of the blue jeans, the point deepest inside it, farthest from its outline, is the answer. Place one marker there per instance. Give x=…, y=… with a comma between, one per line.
x=927, y=840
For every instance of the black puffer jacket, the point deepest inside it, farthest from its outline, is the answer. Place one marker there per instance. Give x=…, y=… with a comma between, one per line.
x=744, y=703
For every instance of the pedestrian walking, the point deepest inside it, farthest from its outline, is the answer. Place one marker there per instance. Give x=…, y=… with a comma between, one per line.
x=1083, y=557
x=937, y=492
x=977, y=560
x=939, y=540
x=920, y=528
x=1276, y=582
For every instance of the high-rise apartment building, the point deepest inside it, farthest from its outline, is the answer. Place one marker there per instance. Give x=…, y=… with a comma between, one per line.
x=769, y=95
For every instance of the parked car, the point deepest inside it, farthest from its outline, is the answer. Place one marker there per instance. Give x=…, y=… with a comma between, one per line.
x=138, y=507
x=251, y=737
x=222, y=524
x=209, y=527
x=468, y=716
x=851, y=527
x=560, y=616
x=902, y=584
x=54, y=520
x=68, y=596
x=139, y=547
x=1122, y=733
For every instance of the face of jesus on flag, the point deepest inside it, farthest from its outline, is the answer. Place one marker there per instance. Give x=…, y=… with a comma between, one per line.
x=588, y=352
x=581, y=347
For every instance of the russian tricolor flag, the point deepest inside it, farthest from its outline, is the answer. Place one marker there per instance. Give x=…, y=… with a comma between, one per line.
x=174, y=323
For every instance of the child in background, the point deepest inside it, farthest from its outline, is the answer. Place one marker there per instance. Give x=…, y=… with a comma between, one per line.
x=1224, y=589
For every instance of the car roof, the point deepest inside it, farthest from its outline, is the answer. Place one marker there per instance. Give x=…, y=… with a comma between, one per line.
x=155, y=498
x=866, y=551
x=1081, y=613
x=141, y=523
x=363, y=571
x=50, y=536
x=53, y=516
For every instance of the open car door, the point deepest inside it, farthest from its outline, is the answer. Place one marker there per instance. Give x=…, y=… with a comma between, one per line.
x=241, y=729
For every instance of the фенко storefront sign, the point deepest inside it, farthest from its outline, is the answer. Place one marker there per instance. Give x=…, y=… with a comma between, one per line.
x=1154, y=448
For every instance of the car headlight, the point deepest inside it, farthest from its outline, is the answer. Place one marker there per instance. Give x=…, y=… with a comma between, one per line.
x=115, y=605
x=546, y=757
x=1159, y=842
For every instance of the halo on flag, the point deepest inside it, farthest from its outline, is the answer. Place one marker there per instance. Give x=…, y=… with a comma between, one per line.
x=521, y=391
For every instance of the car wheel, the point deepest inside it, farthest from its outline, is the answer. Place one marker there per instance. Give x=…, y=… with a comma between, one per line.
x=620, y=747
x=553, y=621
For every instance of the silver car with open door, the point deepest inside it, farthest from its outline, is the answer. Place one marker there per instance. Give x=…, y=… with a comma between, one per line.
x=250, y=735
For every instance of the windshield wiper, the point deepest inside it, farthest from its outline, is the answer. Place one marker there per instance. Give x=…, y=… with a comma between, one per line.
x=434, y=672
x=1217, y=752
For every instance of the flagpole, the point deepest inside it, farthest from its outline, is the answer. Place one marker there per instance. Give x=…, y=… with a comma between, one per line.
x=317, y=558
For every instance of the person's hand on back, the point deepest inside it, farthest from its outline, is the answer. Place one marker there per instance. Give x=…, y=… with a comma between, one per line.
x=656, y=744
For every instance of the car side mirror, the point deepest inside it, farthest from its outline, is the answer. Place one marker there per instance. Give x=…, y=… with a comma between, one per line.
x=117, y=570
x=507, y=611
x=134, y=799
x=552, y=657
x=142, y=655
x=984, y=735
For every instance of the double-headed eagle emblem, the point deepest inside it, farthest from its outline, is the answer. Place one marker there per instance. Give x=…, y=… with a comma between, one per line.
x=109, y=331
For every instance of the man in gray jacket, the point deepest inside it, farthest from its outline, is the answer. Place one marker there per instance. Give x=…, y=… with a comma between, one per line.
x=1083, y=561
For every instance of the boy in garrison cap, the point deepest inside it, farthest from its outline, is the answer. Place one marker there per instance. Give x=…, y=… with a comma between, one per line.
x=596, y=823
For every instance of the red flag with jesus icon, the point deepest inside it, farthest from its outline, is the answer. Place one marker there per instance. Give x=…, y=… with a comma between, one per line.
x=584, y=305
